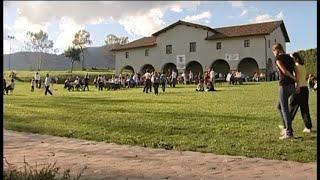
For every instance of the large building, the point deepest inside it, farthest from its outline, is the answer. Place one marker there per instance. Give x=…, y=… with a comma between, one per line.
x=187, y=46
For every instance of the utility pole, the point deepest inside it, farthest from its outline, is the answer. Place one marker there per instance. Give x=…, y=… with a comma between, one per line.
x=11, y=38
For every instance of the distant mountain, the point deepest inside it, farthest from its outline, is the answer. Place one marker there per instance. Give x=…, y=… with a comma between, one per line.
x=97, y=57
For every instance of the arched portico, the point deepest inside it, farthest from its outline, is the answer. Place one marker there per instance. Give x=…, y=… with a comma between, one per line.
x=146, y=67
x=168, y=67
x=221, y=66
x=248, y=66
x=127, y=70
x=195, y=67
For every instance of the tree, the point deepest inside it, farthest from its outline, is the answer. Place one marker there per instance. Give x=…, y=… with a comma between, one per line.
x=73, y=54
x=39, y=42
x=310, y=59
x=81, y=40
x=114, y=40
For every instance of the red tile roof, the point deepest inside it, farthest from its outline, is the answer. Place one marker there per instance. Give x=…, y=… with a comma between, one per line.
x=249, y=30
x=143, y=42
x=219, y=33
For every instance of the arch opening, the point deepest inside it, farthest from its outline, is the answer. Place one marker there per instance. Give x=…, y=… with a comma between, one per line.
x=146, y=67
x=168, y=67
x=127, y=70
x=221, y=66
x=195, y=67
x=248, y=66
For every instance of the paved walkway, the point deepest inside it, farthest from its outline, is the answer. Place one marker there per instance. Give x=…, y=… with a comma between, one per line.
x=112, y=161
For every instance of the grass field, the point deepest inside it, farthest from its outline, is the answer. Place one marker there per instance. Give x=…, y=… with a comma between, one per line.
x=26, y=76
x=235, y=120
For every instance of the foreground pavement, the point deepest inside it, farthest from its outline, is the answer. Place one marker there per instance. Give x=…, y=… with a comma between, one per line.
x=112, y=161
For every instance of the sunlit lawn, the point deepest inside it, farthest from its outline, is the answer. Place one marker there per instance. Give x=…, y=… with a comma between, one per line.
x=235, y=120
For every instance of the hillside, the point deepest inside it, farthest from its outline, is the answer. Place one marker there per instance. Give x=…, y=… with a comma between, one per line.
x=98, y=57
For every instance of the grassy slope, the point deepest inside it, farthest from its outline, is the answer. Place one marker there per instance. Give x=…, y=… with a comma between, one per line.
x=235, y=120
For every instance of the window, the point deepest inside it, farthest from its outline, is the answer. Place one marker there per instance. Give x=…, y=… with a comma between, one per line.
x=275, y=41
x=127, y=55
x=218, y=45
x=247, y=43
x=169, y=49
x=146, y=52
x=269, y=43
x=193, y=47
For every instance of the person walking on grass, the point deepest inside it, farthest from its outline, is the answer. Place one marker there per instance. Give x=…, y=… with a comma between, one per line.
x=301, y=97
x=147, y=85
x=285, y=65
x=47, y=82
x=156, y=82
x=174, y=78
x=10, y=87
x=163, y=80
x=86, y=82
x=32, y=84
x=37, y=80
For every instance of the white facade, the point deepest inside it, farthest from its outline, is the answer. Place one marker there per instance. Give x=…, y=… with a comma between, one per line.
x=206, y=53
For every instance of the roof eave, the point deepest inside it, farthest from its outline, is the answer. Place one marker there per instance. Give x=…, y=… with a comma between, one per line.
x=120, y=49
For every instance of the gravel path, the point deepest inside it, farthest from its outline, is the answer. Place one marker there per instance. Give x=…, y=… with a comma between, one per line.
x=112, y=161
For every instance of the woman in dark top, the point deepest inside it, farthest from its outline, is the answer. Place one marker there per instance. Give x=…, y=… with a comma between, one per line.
x=285, y=65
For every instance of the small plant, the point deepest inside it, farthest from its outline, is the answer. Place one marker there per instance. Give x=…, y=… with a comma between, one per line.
x=47, y=172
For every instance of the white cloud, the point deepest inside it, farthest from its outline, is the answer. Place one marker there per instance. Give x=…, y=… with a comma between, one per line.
x=176, y=9
x=267, y=18
x=143, y=24
x=137, y=17
x=68, y=27
x=204, y=15
x=237, y=4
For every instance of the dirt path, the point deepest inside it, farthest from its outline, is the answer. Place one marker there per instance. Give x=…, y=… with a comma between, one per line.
x=112, y=161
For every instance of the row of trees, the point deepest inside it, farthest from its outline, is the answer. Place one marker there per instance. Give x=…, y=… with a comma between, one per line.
x=310, y=59
x=39, y=42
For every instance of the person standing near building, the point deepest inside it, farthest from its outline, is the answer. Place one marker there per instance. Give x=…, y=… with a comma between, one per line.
x=37, y=79
x=156, y=82
x=212, y=79
x=163, y=80
x=147, y=77
x=301, y=97
x=191, y=77
x=285, y=65
x=47, y=82
x=174, y=78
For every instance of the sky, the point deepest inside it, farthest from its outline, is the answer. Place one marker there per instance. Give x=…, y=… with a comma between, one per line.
x=136, y=19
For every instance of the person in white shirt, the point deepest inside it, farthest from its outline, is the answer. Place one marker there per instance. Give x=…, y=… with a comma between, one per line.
x=136, y=79
x=191, y=77
x=228, y=78
x=47, y=82
x=147, y=84
x=212, y=79
x=174, y=78
x=37, y=79
x=183, y=75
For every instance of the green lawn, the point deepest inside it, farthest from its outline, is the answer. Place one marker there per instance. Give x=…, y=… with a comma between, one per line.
x=26, y=76
x=235, y=120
